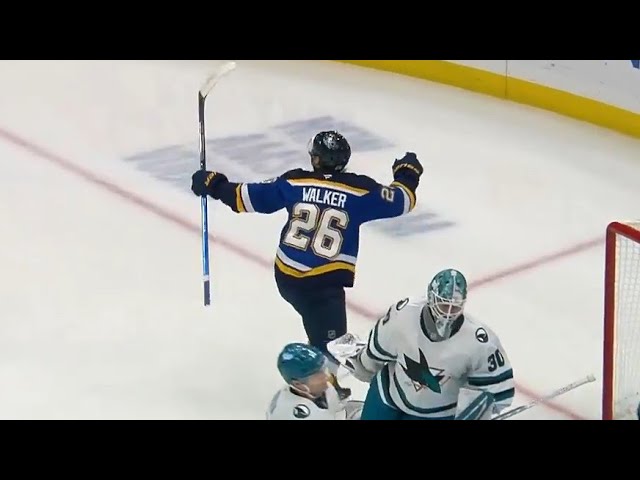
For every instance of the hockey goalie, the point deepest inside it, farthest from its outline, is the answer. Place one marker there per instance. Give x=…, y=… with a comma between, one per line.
x=423, y=352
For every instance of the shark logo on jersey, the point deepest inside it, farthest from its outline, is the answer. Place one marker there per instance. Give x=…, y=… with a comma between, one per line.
x=301, y=411
x=481, y=335
x=422, y=375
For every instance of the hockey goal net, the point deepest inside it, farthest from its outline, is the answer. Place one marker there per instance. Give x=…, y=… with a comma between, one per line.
x=621, y=372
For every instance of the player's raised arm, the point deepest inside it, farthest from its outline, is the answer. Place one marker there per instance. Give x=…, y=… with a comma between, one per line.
x=381, y=348
x=398, y=198
x=263, y=197
x=492, y=372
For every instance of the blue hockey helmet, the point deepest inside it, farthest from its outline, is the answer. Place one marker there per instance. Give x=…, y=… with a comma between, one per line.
x=298, y=361
x=330, y=151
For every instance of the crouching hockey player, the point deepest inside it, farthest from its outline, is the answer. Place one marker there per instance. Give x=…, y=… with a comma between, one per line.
x=424, y=351
x=318, y=249
x=309, y=393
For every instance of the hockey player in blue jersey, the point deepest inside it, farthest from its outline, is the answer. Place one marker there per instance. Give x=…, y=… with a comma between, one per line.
x=316, y=257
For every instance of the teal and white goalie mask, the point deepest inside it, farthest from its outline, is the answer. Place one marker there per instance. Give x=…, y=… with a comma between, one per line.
x=446, y=296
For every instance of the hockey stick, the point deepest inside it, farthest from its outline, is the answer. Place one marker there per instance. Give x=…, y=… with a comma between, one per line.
x=554, y=394
x=204, y=215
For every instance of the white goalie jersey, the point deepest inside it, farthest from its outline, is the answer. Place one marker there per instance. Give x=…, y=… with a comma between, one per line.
x=287, y=405
x=422, y=377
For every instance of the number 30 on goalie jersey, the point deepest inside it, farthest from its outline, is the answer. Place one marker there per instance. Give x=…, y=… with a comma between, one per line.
x=320, y=241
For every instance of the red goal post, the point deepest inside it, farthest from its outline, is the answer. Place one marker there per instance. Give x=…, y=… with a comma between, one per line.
x=621, y=352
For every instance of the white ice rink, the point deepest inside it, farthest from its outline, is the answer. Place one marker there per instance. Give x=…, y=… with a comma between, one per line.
x=101, y=292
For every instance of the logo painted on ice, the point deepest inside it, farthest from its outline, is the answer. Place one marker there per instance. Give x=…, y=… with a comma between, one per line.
x=272, y=152
x=636, y=64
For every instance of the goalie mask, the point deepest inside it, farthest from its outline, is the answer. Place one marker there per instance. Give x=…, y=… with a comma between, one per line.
x=446, y=297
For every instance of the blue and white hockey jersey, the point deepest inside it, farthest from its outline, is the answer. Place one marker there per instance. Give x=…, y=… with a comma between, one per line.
x=319, y=243
x=288, y=405
x=423, y=378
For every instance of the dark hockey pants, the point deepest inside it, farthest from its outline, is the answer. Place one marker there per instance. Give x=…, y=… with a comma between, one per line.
x=375, y=409
x=323, y=312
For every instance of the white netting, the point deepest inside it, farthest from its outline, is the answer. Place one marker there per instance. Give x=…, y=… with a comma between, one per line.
x=626, y=342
